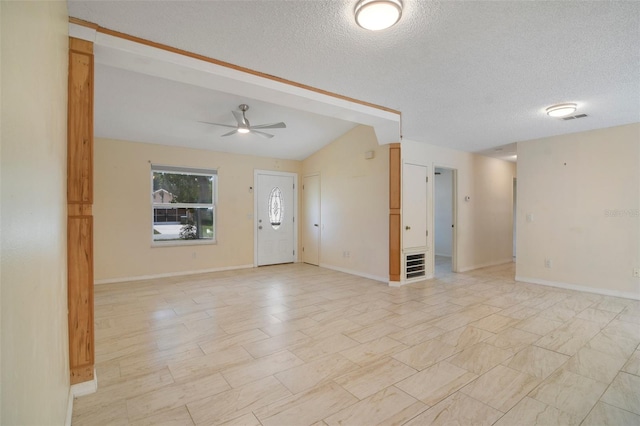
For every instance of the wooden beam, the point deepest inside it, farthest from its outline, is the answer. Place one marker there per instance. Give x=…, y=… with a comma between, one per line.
x=229, y=65
x=79, y=211
x=395, y=218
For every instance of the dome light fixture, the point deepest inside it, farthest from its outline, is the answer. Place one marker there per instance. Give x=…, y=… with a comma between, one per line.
x=561, y=110
x=378, y=15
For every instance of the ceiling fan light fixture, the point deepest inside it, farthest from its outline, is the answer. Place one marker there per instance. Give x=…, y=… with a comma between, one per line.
x=378, y=15
x=245, y=127
x=561, y=110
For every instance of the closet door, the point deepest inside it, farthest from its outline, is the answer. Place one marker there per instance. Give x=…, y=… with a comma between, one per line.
x=414, y=206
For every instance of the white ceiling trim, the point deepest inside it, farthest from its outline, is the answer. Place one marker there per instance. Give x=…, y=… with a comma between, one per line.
x=137, y=57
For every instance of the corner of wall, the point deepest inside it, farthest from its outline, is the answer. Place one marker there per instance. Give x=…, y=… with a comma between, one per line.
x=354, y=203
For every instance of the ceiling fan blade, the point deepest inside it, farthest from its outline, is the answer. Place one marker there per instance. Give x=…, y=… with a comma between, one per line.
x=218, y=124
x=240, y=118
x=263, y=134
x=279, y=125
x=233, y=132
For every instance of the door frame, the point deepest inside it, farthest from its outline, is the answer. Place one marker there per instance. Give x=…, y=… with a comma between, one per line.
x=296, y=222
x=304, y=209
x=454, y=214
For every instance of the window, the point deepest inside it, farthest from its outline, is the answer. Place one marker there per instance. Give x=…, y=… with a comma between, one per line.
x=183, y=204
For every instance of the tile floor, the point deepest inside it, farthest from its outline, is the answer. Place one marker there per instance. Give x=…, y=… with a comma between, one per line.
x=301, y=345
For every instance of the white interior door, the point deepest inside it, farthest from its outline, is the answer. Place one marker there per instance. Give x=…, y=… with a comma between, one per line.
x=414, y=205
x=275, y=213
x=311, y=226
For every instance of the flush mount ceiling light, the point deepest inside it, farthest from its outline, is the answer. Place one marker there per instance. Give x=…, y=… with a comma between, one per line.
x=377, y=15
x=561, y=110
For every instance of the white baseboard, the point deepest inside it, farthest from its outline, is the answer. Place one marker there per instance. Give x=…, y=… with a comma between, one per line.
x=77, y=390
x=406, y=282
x=567, y=286
x=169, y=274
x=485, y=265
x=67, y=421
x=85, y=388
x=357, y=273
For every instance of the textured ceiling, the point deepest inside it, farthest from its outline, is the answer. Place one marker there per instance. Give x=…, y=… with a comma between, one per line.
x=469, y=75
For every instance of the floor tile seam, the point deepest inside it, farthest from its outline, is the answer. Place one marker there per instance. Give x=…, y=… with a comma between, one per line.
x=294, y=397
x=614, y=406
x=193, y=421
x=631, y=374
x=236, y=390
x=117, y=358
x=426, y=407
x=627, y=322
x=461, y=390
x=529, y=376
x=556, y=408
x=90, y=407
x=380, y=361
x=399, y=343
x=478, y=401
x=597, y=400
x=560, y=367
x=609, y=355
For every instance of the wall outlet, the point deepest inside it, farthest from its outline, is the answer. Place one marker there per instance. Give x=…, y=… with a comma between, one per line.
x=529, y=217
x=636, y=272
x=548, y=263
x=346, y=254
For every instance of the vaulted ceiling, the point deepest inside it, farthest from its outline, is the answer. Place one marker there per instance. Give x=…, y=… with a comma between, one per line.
x=469, y=75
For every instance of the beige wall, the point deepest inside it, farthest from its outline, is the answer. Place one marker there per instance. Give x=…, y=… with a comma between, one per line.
x=34, y=338
x=122, y=210
x=354, y=203
x=485, y=223
x=583, y=191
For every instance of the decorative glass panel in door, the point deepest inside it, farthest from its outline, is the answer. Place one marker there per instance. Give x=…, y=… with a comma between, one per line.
x=276, y=208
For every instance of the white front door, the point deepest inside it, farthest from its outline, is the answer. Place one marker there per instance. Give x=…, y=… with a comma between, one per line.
x=311, y=225
x=275, y=217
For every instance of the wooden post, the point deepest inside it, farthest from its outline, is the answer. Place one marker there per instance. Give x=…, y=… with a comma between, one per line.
x=79, y=211
x=395, y=218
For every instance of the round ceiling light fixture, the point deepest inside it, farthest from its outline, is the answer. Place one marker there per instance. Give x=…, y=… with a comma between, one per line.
x=378, y=15
x=561, y=110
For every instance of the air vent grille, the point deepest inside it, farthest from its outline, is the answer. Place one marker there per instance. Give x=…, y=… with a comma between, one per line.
x=573, y=117
x=414, y=266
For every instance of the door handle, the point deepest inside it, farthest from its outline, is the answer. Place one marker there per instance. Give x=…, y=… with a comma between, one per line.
x=315, y=224
x=407, y=227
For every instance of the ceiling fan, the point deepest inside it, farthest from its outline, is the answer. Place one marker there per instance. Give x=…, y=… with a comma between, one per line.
x=243, y=125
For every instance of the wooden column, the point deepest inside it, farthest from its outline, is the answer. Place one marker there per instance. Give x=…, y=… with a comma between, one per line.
x=79, y=210
x=395, y=218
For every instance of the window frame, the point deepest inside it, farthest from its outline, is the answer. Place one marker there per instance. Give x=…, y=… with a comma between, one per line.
x=194, y=171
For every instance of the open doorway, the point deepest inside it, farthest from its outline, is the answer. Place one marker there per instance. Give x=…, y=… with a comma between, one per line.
x=515, y=210
x=444, y=217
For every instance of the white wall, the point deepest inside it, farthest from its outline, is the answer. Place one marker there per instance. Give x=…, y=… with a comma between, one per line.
x=354, y=203
x=443, y=212
x=33, y=279
x=583, y=192
x=485, y=227
x=122, y=210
